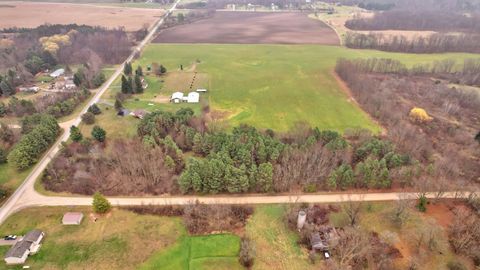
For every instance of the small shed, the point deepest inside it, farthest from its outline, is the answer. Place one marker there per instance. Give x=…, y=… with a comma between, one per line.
x=193, y=97
x=201, y=90
x=72, y=218
x=177, y=97
x=57, y=73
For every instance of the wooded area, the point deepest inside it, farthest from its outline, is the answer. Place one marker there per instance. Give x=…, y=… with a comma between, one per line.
x=445, y=144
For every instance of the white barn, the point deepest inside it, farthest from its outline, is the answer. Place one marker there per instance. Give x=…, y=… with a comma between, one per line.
x=193, y=97
x=177, y=97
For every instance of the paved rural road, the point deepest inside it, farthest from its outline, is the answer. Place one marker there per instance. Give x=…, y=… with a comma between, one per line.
x=11, y=204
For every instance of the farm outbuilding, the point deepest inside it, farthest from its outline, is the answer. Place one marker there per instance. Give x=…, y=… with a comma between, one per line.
x=193, y=97
x=57, y=73
x=177, y=97
x=72, y=218
x=202, y=90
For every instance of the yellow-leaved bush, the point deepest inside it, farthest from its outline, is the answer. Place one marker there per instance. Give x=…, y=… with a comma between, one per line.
x=419, y=115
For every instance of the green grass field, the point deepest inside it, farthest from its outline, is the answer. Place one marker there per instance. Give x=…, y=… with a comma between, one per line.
x=218, y=251
x=276, y=245
x=275, y=86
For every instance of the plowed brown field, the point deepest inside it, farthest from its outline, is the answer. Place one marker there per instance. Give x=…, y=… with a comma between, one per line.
x=252, y=28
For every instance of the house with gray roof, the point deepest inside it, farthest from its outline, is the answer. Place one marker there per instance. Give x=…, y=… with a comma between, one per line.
x=29, y=244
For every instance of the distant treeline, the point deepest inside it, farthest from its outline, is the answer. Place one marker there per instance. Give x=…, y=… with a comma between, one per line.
x=422, y=20
x=468, y=73
x=435, y=43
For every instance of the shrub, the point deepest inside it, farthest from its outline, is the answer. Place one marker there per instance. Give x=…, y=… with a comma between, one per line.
x=94, y=109
x=310, y=188
x=247, y=252
x=422, y=203
x=456, y=265
x=100, y=203
x=419, y=115
x=88, y=118
x=98, y=133
x=75, y=134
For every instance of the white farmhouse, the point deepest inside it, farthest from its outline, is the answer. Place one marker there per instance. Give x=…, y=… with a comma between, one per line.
x=29, y=244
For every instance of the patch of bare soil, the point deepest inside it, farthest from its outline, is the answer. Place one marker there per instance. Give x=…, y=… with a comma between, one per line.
x=441, y=213
x=28, y=14
x=161, y=99
x=252, y=28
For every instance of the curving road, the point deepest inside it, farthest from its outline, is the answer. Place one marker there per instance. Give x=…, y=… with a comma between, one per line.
x=20, y=194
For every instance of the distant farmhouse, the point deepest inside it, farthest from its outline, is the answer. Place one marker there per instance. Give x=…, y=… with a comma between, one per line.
x=28, y=245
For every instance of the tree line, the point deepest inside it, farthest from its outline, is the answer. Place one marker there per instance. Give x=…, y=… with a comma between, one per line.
x=435, y=43
x=40, y=132
x=420, y=20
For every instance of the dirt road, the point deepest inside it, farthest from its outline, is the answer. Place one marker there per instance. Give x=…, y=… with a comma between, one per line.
x=20, y=194
x=33, y=198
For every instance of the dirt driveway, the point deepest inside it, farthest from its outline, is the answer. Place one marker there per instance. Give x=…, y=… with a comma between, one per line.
x=251, y=28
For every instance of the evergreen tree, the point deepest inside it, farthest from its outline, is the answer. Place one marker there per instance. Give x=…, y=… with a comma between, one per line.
x=100, y=204
x=127, y=69
x=94, y=109
x=197, y=144
x=79, y=77
x=163, y=69
x=130, y=85
x=138, y=84
x=118, y=104
x=98, y=133
x=75, y=134
x=139, y=71
x=6, y=88
x=126, y=87
x=265, y=177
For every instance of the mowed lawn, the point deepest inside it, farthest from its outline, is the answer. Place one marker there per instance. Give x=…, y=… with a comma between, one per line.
x=215, y=252
x=120, y=240
x=275, y=86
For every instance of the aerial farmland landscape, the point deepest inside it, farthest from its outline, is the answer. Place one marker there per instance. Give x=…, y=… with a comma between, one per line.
x=229, y=134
